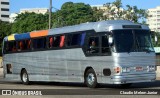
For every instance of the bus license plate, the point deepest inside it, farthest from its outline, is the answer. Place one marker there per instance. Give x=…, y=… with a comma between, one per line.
x=139, y=68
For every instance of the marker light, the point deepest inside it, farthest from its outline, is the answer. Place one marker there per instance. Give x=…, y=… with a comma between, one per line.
x=151, y=68
x=125, y=69
x=117, y=69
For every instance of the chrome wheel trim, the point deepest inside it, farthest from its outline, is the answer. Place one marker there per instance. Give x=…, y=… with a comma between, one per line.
x=25, y=77
x=90, y=78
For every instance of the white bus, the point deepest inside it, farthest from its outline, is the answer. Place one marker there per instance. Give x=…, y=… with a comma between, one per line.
x=110, y=52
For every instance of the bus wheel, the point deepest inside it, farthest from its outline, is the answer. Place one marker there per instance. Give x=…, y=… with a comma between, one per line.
x=127, y=85
x=91, y=79
x=24, y=77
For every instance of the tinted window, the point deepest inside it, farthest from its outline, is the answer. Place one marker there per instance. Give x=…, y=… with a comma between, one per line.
x=93, y=45
x=74, y=39
x=56, y=41
x=105, y=45
x=24, y=45
x=123, y=40
x=39, y=43
x=11, y=46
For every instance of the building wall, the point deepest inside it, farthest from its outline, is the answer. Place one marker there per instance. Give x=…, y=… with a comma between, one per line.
x=108, y=12
x=4, y=10
x=35, y=10
x=28, y=10
x=154, y=19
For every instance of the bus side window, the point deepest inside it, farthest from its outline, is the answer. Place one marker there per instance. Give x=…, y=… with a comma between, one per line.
x=82, y=39
x=39, y=43
x=42, y=43
x=56, y=41
x=69, y=40
x=105, y=45
x=6, y=47
x=51, y=40
x=29, y=44
x=20, y=45
x=12, y=46
x=76, y=39
x=34, y=42
x=62, y=41
x=93, y=45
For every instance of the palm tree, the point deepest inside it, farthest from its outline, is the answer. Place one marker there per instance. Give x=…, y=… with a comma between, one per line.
x=118, y=5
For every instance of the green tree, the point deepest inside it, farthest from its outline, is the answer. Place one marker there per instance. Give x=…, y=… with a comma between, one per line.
x=109, y=12
x=73, y=13
x=98, y=14
x=27, y=22
x=114, y=10
x=5, y=30
x=118, y=5
x=134, y=14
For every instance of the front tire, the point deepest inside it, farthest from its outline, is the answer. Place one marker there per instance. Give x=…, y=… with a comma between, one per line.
x=24, y=77
x=91, y=79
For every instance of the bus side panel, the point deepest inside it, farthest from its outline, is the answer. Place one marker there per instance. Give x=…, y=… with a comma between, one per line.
x=67, y=65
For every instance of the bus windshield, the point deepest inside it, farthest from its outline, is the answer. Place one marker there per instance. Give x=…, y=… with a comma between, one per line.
x=132, y=41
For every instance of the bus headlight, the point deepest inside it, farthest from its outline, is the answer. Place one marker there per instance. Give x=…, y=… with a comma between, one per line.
x=151, y=68
x=125, y=69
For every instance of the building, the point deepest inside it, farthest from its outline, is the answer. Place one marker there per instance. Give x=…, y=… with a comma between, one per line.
x=4, y=10
x=99, y=7
x=35, y=10
x=153, y=19
x=110, y=10
x=13, y=16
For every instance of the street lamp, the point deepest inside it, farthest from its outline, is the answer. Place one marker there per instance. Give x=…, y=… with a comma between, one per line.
x=50, y=14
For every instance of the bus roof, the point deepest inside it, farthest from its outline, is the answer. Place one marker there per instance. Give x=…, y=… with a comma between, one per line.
x=101, y=26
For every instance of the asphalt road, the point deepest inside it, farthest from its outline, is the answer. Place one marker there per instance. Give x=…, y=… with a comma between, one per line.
x=67, y=90
x=78, y=90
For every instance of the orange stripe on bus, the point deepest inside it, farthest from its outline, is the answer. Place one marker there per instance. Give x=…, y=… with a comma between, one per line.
x=39, y=33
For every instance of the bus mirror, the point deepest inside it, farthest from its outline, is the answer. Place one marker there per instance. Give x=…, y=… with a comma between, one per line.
x=110, y=40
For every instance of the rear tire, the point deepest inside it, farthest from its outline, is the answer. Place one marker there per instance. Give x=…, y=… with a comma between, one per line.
x=24, y=77
x=91, y=79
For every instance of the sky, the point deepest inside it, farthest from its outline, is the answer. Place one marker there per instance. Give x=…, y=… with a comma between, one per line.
x=16, y=5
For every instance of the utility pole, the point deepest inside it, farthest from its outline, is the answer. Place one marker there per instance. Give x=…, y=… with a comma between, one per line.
x=50, y=14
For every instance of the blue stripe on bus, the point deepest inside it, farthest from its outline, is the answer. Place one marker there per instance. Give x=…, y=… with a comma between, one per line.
x=82, y=38
x=22, y=36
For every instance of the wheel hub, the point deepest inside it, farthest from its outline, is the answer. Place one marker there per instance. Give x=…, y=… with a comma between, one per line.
x=25, y=77
x=90, y=78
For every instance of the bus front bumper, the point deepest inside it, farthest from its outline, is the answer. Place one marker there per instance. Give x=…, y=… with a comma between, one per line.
x=123, y=79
